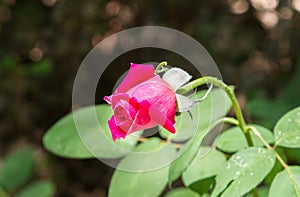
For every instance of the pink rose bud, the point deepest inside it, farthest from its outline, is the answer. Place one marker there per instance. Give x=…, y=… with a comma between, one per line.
x=143, y=100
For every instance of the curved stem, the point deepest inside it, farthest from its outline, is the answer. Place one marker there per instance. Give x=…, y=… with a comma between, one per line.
x=160, y=66
x=212, y=80
x=206, y=93
x=230, y=120
x=260, y=137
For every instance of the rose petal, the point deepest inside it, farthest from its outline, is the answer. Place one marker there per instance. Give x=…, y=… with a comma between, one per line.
x=137, y=74
x=116, y=131
x=156, y=91
x=116, y=98
x=161, y=119
x=134, y=103
x=142, y=117
x=107, y=99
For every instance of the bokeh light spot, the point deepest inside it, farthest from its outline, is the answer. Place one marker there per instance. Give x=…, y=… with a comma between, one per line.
x=286, y=13
x=296, y=5
x=264, y=4
x=49, y=2
x=239, y=7
x=112, y=8
x=268, y=19
x=36, y=54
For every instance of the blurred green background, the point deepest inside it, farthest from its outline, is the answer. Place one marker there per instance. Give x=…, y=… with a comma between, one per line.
x=255, y=43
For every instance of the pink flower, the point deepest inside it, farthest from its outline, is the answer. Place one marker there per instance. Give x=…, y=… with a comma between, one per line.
x=143, y=100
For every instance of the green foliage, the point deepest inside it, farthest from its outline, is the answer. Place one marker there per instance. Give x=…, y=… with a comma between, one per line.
x=150, y=180
x=87, y=137
x=233, y=139
x=210, y=110
x=244, y=171
x=40, y=68
x=270, y=110
x=293, y=154
x=286, y=183
x=3, y=193
x=277, y=167
x=182, y=192
x=207, y=164
x=9, y=63
x=63, y=31
x=287, y=130
x=39, y=188
x=203, y=186
x=63, y=139
x=231, y=168
x=16, y=169
x=261, y=192
x=15, y=173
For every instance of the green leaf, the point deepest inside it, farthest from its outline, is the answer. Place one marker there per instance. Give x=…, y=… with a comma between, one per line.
x=287, y=129
x=85, y=134
x=150, y=175
x=9, y=62
x=182, y=192
x=215, y=106
x=261, y=192
x=3, y=193
x=284, y=185
x=207, y=164
x=233, y=139
x=293, y=154
x=244, y=171
x=39, y=188
x=277, y=167
x=16, y=169
x=40, y=68
x=203, y=186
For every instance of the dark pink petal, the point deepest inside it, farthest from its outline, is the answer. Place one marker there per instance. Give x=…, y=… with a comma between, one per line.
x=116, y=131
x=158, y=116
x=134, y=107
x=132, y=65
x=107, y=99
x=142, y=117
x=134, y=103
x=169, y=126
x=137, y=74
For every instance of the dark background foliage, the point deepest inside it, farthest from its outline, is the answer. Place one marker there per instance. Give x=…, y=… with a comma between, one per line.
x=42, y=43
